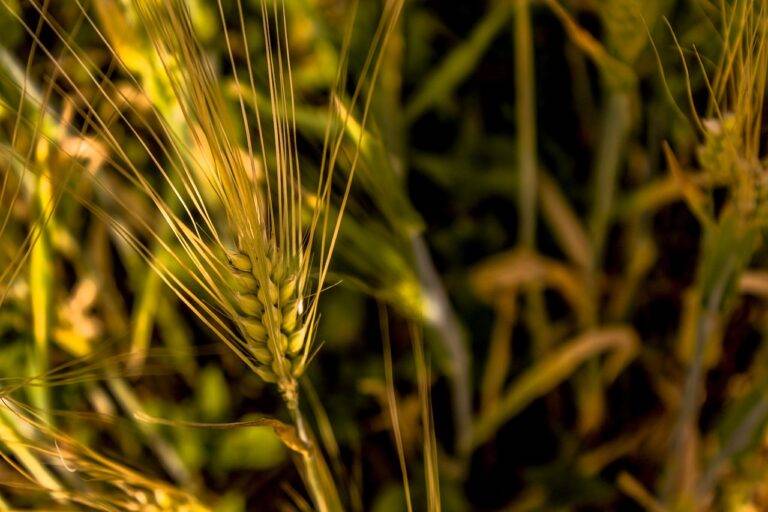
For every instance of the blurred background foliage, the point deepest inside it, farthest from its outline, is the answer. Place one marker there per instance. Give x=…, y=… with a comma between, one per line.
x=549, y=193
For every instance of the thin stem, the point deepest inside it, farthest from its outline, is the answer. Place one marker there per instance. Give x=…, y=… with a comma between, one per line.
x=525, y=99
x=41, y=294
x=690, y=405
x=28, y=459
x=443, y=319
x=525, y=103
x=317, y=477
x=615, y=127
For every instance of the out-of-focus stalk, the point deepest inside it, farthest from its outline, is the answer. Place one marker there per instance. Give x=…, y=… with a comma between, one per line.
x=525, y=101
x=318, y=478
x=40, y=283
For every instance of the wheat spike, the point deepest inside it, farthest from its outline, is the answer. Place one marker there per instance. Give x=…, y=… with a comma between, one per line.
x=253, y=278
x=270, y=318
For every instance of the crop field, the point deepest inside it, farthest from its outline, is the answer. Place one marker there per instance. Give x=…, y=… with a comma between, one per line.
x=383, y=255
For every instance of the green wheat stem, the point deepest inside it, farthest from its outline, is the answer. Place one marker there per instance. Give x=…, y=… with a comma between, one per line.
x=689, y=407
x=613, y=134
x=444, y=320
x=319, y=481
x=525, y=101
x=615, y=128
x=525, y=104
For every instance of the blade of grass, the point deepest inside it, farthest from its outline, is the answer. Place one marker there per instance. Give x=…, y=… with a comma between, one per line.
x=634, y=489
x=41, y=286
x=500, y=351
x=455, y=67
x=392, y=404
x=429, y=440
x=20, y=449
x=563, y=221
x=446, y=323
x=553, y=369
x=614, y=130
x=525, y=102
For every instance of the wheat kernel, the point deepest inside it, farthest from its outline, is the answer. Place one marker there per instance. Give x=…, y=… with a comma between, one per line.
x=262, y=354
x=287, y=289
x=296, y=342
x=249, y=304
x=274, y=319
x=244, y=281
x=282, y=343
x=290, y=315
x=254, y=329
x=269, y=295
x=239, y=261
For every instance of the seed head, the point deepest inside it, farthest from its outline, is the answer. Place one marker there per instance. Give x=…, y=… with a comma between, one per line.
x=269, y=318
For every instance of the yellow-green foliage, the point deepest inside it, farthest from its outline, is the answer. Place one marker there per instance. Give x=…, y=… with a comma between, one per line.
x=383, y=255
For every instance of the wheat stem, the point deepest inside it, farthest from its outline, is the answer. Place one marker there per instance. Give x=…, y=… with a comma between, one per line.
x=319, y=481
x=525, y=97
x=443, y=319
x=615, y=128
x=690, y=404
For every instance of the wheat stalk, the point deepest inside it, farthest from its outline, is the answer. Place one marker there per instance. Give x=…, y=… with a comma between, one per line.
x=730, y=152
x=256, y=280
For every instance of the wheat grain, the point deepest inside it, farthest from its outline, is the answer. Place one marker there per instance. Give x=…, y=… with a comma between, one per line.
x=270, y=319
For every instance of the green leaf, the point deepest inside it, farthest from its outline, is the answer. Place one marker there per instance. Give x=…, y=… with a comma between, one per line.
x=213, y=398
x=255, y=448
